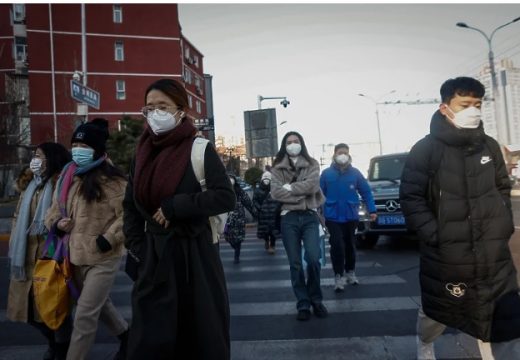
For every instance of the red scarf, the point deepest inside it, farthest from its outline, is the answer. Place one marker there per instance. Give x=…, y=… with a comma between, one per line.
x=161, y=162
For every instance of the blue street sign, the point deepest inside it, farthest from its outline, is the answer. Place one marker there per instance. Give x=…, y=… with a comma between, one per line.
x=84, y=94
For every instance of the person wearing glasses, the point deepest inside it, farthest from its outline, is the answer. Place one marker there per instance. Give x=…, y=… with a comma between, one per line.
x=180, y=303
x=27, y=241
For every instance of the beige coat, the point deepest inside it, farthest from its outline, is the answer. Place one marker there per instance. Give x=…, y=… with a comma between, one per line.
x=92, y=219
x=18, y=294
x=305, y=192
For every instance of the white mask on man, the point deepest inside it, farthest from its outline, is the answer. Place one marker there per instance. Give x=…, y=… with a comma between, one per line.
x=342, y=159
x=162, y=121
x=468, y=118
x=293, y=149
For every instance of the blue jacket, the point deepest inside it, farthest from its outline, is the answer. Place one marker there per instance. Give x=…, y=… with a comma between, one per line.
x=341, y=190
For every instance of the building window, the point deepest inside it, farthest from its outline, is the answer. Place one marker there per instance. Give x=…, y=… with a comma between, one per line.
x=187, y=52
x=190, y=101
x=187, y=75
x=196, y=60
x=119, y=51
x=18, y=13
x=199, y=106
x=118, y=14
x=20, y=48
x=198, y=86
x=120, y=90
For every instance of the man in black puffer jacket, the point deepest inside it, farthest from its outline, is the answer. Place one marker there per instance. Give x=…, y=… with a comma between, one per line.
x=455, y=193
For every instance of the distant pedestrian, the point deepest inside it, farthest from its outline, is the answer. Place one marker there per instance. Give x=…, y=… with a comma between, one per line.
x=235, y=230
x=455, y=193
x=296, y=184
x=27, y=241
x=90, y=190
x=268, y=213
x=342, y=184
x=180, y=306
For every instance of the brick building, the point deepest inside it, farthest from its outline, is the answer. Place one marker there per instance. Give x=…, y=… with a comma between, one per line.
x=116, y=50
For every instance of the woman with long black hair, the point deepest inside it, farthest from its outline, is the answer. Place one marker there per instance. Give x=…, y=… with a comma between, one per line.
x=88, y=210
x=296, y=184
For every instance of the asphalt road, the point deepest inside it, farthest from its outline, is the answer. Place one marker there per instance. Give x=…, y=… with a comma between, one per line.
x=374, y=320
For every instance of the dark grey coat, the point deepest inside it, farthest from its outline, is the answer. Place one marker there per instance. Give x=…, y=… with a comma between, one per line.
x=179, y=300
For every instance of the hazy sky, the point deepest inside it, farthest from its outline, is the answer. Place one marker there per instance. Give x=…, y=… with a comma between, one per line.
x=321, y=56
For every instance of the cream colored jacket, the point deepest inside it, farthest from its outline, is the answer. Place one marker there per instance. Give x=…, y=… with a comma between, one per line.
x=103, y=217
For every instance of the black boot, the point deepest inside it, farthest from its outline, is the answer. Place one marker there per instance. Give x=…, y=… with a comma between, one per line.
x=50, y=354
x=237, y=254
x=123, y=338
x=61, y=350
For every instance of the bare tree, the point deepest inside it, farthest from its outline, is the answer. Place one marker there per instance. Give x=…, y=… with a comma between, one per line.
x=15, y=133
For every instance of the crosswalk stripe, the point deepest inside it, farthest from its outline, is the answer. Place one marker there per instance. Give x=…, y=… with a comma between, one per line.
x=288, y=307
x=266, y=284
x=272, y=267
x=263, y=268
x=448, y=346
x=270, y=284
x=333, y=306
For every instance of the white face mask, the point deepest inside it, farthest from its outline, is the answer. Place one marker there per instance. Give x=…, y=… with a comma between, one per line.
x=162, y=121
x=342, y=159
x=468, y=118
x=36, y=166
x=293, y=149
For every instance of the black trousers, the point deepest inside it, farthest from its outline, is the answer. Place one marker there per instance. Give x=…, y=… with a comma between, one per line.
x=342, y=245
x=270, y=239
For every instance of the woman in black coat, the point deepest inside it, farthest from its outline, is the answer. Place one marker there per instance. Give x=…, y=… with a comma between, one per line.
x=235, y=230
x=180, y=304
x=268, y=213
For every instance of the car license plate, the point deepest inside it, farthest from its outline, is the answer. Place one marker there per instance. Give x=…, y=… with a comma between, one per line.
x=390, y=220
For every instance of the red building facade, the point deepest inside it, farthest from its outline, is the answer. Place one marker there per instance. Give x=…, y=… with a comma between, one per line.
x=117, y=49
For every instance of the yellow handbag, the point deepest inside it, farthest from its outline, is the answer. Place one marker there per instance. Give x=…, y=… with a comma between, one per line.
x=51, y=294
x=52, y=282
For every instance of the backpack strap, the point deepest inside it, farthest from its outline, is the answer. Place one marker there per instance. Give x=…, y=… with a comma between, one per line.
x=198, y=150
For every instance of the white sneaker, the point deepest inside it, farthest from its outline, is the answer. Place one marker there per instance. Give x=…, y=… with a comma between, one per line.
x=425, y=351
x=351, y=278
x=339, y=284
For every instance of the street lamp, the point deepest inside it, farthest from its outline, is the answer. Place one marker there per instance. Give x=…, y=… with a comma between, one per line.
x=376, y=103
x=491, y=59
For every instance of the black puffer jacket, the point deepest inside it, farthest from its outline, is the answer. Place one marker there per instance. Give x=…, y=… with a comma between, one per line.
x=464, y=221
x=268, y=212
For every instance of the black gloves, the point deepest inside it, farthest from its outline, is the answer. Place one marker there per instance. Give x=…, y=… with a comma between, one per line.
x=103, y=244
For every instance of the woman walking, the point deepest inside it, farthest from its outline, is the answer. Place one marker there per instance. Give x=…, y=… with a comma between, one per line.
x=88, y=208
x=27, y=240
x=179, y=302
x=296, y=184
x=268, y=213
x=235, y=230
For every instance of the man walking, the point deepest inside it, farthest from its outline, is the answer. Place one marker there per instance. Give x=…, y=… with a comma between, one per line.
x=341, y=183
x=455, y=193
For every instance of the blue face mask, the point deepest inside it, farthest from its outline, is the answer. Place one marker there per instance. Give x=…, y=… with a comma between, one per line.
x=82, y=156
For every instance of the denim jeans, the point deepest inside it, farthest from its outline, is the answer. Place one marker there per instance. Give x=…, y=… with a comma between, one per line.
x=298, y=227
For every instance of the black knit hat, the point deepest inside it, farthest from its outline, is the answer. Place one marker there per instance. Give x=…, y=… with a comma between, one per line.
x=94, y=134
